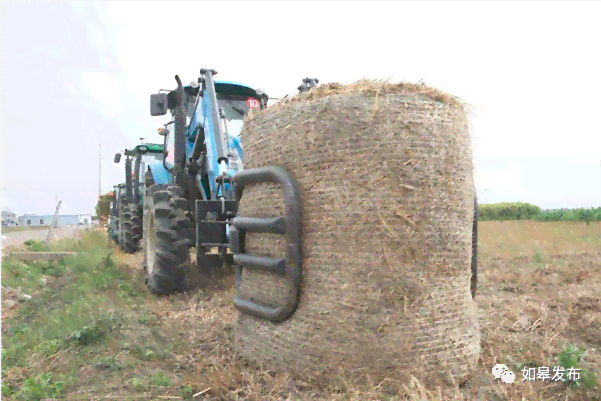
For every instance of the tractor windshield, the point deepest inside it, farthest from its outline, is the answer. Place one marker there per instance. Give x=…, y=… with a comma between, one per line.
x=145, y=161
x=234, y=108
x=152, y=157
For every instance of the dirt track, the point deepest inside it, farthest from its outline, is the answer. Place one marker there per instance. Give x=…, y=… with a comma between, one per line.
x=18, y=238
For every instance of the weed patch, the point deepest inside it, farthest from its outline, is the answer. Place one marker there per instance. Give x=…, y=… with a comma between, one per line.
x=35, y=388
x=571, y=359
x=36, y=246
x=160, y=379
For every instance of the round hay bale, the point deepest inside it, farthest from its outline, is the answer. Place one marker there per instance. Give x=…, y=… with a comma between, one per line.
x=386, y=179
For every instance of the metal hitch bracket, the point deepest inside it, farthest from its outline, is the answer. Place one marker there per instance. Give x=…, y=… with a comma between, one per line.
x=212, y=232
x=289, y=226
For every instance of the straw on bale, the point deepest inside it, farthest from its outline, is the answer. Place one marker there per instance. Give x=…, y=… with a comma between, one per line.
x=386, y=177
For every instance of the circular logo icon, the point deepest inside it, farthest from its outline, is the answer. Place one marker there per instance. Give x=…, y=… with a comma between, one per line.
x=252, y=103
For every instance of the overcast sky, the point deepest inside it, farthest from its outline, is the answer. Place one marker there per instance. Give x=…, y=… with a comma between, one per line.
x=78, y=75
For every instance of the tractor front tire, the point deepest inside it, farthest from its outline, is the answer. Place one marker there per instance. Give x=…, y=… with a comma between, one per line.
x=132, y=228
x=167, y=225
x=474, y=282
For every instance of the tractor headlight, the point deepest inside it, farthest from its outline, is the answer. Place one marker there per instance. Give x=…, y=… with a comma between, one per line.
x=143, y=149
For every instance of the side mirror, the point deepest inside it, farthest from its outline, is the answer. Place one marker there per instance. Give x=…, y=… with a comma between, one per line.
x=158, y=104
x=117, y=157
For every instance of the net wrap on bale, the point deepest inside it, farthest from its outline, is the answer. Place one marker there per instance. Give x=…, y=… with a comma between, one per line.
x=387, y=191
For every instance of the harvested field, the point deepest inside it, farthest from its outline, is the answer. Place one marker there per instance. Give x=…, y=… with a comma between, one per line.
x=534, y=301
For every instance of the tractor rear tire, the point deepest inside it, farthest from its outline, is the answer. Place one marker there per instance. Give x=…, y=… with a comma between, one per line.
x=474, y=282
x=167, y=224
x=132, y=228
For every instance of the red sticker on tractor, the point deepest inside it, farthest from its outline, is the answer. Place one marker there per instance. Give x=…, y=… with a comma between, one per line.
x=252, y=103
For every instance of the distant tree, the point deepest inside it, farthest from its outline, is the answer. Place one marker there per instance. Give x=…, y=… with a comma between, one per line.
x=103, y=207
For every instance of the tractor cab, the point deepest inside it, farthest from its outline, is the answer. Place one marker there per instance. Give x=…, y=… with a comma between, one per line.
x=234, y=101
x=146, y=154
x=141, y=157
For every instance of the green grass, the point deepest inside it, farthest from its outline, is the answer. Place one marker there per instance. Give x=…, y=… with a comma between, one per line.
x=571, y=358
x=76, y=312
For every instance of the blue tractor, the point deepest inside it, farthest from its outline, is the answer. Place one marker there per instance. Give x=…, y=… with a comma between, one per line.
x=113, y=219
x=130, y=204
x=191, y=196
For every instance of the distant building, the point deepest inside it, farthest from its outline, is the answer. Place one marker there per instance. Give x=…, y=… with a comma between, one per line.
x=9, y=219
x=85, y=218
x=46, y=220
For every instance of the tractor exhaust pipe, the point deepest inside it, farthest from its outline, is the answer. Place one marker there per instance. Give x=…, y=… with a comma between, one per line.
x=180, y=133
x=129, y=196
x=136, y=178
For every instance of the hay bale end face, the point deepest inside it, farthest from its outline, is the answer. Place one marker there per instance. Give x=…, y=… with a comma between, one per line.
x=386, y=179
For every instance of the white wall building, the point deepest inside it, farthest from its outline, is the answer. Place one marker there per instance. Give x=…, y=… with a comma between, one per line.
x=9, y=219
x=32, y=220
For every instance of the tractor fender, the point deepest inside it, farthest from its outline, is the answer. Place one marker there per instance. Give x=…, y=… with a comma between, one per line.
x=159, y=173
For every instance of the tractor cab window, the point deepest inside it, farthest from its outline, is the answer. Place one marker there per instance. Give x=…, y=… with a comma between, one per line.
x=147, y=159
x=235, y=108
x=152, y=157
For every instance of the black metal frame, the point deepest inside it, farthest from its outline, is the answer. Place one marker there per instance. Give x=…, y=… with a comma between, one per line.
x=211, y=219
x=179, y=122
x=289, y=225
